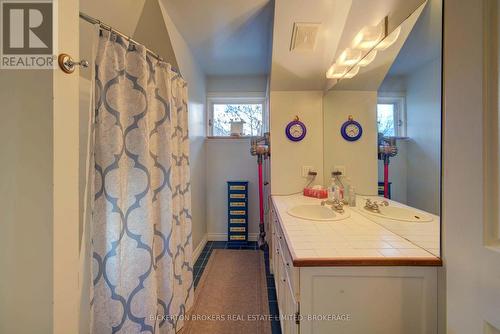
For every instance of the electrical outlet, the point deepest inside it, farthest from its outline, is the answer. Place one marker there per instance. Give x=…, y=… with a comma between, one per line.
x=305, y=170
x=339, y=168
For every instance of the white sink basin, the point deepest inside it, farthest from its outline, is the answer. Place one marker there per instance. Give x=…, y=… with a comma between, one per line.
x=402, y=214
x=316, y=212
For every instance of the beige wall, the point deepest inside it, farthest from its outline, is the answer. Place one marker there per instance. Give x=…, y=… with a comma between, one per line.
x=152, y=32
x=359, y=157
x=287, y=157
x=39, y=194
x=26, y=226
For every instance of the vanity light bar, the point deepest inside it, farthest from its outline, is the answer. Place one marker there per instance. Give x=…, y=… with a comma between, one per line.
x=363, y=50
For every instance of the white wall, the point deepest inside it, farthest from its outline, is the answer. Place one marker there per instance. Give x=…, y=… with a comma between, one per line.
x=415, y=171
x=287, y=157
x=196, y=80
x=423, y=103
x=237, y=84
x=230, y=159
x=359, y=157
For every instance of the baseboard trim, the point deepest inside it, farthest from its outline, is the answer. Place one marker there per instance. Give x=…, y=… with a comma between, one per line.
x=199, y=248
x=223, y=236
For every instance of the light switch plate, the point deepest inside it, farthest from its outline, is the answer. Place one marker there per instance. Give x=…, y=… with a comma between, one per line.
x=305, y=171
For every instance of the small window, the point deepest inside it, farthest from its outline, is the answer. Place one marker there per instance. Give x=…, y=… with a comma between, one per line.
x=246, y=116
x=391, y=116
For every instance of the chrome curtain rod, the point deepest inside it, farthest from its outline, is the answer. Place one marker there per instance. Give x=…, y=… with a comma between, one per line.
x=105, y=26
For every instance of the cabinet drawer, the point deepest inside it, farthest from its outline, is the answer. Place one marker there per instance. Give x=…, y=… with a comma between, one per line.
x=285, y=256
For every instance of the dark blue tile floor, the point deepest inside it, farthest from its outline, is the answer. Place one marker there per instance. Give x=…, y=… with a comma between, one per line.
x=199, y=266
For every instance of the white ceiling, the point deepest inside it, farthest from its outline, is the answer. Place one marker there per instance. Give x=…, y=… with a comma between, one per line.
x=227, y=37
x=304, y=70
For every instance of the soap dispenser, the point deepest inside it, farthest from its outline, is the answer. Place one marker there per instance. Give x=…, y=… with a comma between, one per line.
x=337, y=186
x=331, y=189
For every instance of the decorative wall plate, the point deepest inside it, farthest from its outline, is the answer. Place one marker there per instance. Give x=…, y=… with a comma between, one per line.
x=295, y=130
x=351, y=130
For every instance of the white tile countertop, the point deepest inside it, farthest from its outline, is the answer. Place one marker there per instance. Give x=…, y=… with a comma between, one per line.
x=425, y=234
x=343, y=242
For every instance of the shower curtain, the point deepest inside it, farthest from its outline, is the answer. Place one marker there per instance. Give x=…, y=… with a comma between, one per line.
x=141, y=211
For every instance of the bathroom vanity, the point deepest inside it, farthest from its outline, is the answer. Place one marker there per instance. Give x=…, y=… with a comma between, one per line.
x=352, y=275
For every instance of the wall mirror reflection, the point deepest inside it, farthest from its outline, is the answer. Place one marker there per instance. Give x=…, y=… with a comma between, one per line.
x=382, y=118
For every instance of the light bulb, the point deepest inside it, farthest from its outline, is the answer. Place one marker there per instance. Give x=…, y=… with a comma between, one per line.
x=349, y=57
x=368, y=37
x=351, y=73
x=389, y=40
x=368, y=58
x=336, y=71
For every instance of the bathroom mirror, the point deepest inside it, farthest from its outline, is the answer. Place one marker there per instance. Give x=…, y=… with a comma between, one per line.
x=393, y=92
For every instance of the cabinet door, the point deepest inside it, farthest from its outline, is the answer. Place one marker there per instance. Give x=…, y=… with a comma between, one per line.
x=276, y=266
x=290, y=308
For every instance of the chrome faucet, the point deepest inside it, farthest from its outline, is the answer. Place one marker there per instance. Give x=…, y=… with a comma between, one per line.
x=337, y=205
x=374, y=206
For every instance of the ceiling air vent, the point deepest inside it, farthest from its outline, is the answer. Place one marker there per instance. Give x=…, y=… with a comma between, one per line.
x=304, y=36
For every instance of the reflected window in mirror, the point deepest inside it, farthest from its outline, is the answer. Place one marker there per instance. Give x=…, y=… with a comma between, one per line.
x=391, y=117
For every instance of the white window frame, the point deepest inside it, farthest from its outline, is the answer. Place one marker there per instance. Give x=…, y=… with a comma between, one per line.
x=235, y=98
x=399, y=102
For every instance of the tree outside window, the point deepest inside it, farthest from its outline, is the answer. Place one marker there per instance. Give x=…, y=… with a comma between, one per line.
x=250, y=114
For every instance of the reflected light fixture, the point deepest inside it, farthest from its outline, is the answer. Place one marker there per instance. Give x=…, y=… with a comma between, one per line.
x=363, y=50
x=350, y=57
x=369, y=37
x=354, y=70
x=389, y=40
x=368, y=58
x=337, y=71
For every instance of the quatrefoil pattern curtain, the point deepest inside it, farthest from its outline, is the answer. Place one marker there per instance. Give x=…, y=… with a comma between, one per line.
x=141, y=214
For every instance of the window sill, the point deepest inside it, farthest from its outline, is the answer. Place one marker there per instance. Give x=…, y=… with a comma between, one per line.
x=228, y=138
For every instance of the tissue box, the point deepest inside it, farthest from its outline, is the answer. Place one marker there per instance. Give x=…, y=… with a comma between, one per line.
x=316, y=193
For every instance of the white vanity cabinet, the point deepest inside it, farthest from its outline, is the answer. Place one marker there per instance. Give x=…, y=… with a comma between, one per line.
x=315, y=297
x=286, y=278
